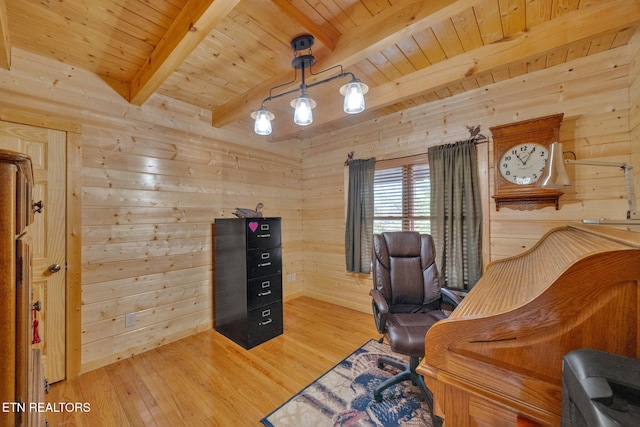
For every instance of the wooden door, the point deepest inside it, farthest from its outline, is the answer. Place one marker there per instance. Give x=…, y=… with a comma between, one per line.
x=47, y=149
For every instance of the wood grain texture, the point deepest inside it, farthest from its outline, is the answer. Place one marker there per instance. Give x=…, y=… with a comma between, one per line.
x=149, y=189
x=503, y=345
x=5, y=43
x=19, y=360
x=8, y=264
x=225, y=55
x=207, y=379
x=593, y=127
x=47, y=150
x=155, y=176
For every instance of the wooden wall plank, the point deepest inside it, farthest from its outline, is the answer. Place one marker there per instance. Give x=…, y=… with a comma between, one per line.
x=142, y=302
x=128, y=286
x=634, y=101
x=592, y=92
x=151, y=182
x=153, y=178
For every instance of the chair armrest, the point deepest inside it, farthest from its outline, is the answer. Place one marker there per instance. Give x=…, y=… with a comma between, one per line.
x=450, y=297
x=380, y=310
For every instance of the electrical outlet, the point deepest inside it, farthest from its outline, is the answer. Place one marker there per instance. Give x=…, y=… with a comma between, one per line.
x=291, y=277
x=129, y=320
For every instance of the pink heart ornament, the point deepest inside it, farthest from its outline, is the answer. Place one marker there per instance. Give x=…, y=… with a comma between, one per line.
x=253, y=226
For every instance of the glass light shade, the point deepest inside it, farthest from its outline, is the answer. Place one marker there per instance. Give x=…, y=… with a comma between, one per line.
x=555, y=173
x=354, y=97
x=263, y=122
x=302, y=115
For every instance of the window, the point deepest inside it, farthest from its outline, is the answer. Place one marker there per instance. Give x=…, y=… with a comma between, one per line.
x=402, y=195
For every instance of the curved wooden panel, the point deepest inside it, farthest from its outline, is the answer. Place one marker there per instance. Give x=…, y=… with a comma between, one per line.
x=503, y=346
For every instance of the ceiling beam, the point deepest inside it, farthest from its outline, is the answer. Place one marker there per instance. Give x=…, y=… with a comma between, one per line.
x=390, y=27
x=194, y=22
x=5, y=44
x=383, y=30
x=307, y=23
x=571, y=28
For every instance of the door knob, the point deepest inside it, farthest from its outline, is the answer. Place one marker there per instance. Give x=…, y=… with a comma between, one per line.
x=54, y=268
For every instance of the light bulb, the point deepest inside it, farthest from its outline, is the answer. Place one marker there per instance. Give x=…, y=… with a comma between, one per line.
x=353, y=98
x=303, y=115
x=263, y=121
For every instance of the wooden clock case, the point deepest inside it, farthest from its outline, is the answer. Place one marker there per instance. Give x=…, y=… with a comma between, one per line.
x=543, y=131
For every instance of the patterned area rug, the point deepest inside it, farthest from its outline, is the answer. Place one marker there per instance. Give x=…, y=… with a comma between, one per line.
x=344, y=397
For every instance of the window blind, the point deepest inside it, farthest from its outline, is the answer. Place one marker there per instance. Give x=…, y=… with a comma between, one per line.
x=402, y=197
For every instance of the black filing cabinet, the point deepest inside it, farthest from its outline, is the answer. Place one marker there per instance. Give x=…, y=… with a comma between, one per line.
x=248, y=286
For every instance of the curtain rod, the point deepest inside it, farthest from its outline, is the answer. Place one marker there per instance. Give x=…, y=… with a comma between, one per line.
x=474, y=134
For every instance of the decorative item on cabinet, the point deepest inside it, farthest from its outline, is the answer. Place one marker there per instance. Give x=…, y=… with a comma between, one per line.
x=248, y=279
x=21, y=382
x=249, y=213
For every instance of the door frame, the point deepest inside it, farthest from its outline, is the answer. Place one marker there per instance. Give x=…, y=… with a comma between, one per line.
x=73, y=232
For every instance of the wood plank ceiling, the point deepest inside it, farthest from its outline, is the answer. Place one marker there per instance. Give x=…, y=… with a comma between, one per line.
x=225, y=55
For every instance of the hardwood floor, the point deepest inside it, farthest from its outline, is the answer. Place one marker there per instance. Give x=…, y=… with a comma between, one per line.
x=208, y=380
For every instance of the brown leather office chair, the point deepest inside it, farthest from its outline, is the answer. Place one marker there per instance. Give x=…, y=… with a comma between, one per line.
x=407, y=300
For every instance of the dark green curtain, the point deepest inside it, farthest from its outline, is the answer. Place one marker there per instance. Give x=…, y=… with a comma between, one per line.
x=456, y=213
x=359, y=225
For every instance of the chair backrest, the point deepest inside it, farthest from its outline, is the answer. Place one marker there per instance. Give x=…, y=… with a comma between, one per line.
x=404, y=269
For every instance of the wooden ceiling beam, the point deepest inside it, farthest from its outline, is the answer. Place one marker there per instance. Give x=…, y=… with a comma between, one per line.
x=5, y=44
x=305, y=22
x=390, y=27
x=569, y=29
x=195, y=21
x=383, y=30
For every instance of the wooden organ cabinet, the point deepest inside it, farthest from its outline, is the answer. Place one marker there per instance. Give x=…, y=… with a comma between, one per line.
x=248, y=270
x=21, y=383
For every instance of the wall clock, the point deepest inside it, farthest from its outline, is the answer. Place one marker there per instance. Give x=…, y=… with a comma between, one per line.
x=520, y=152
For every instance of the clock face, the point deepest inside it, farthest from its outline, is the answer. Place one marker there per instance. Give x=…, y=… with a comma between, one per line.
x=523, y=164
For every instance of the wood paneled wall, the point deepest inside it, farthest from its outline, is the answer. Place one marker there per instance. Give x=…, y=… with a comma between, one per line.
x=154, y=178
x=592, y=92
x=634, y=102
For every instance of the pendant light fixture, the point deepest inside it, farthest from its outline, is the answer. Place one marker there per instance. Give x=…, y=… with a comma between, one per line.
x=303, y=105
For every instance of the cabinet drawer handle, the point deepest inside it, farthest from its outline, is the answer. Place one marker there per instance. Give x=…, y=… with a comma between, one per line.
x=266, y=322
x=264, y=264
x=265, y=293
x=264, y=236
